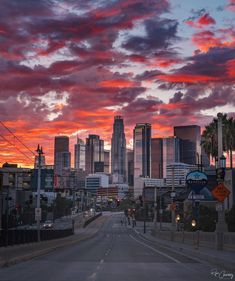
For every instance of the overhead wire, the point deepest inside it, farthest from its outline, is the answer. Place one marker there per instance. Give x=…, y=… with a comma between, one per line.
x=16, y=147
x=17, y=138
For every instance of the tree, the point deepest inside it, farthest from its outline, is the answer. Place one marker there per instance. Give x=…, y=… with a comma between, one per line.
x=210, y=137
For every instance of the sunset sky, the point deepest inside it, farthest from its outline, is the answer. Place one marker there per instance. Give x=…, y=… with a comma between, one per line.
x=68, y=67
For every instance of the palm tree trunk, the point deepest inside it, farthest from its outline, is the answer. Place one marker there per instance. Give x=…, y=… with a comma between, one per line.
x=231, y=158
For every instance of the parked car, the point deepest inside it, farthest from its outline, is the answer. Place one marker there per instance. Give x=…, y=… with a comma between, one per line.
x=48, y=224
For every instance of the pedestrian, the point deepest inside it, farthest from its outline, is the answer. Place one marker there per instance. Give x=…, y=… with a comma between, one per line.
x=121, y=222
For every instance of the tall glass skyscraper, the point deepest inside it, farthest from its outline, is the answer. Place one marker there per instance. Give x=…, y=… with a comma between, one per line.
x=62, y=156
x=118, y=151
x=170, y=152
x=190, y=139
x=79, y=155
x=142, y=150
x=156, y=158
x=94, y=154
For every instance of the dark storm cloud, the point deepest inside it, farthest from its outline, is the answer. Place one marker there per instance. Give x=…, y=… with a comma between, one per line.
x=159, y=35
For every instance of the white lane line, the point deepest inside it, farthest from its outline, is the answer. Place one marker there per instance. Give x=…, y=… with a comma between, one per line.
x=92, y=276
x=157, y=251
x=101, y=261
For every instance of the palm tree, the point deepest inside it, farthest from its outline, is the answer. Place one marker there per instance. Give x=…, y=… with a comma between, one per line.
x=210, y=137
x=229, y=138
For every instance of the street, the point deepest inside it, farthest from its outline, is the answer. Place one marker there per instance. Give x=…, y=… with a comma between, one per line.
x=117, y=252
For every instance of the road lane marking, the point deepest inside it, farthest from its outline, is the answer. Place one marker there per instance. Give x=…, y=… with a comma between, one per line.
x=157, y=251
x=101, y=261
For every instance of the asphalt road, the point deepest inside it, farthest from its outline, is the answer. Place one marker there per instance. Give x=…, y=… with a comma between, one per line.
x=116, y=253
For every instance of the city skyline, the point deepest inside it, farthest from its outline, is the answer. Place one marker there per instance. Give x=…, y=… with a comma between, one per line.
x=68, y=68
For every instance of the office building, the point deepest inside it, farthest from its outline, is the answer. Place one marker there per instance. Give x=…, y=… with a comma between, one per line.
x=130, y=167
x=62, y=156
x=107, y=161
x=190, y=139
x=176, y=173
x=96, y=181
x=94, y=154
x=142, y=151
x=79, y=155
x=170, y=152
x=118, y=151
x=157, y=158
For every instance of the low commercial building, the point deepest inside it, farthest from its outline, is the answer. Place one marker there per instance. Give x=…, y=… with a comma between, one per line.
x=95, y=181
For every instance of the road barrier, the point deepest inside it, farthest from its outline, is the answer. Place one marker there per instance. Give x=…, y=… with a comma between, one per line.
x=91, y=219
x=22, y=236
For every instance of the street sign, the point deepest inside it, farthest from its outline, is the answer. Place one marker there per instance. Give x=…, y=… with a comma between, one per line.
x=219, y=207
x=193, y=196
x=38, y=214
x=220, y=192
x=196, y=180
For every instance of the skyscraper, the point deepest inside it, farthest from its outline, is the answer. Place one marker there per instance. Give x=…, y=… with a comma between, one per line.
x=62, y=156
x=107, y=161
x=130, y=167
x=157, y=158
x=79, y=155
x=118, y=151
x=142, y=151
x=190, y=139
x=170, y=152
x=94, y=154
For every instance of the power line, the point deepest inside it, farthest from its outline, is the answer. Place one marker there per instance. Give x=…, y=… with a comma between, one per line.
x=17, y=138
x=16, y=147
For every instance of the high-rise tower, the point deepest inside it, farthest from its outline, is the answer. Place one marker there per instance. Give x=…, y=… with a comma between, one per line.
x=118, y=151
x=79, y=155
x=62, y=156
x=142, y=151
x=94, y=154
x=190, y=138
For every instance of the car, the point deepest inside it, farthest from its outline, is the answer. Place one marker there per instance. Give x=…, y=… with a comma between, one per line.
x=48, y=224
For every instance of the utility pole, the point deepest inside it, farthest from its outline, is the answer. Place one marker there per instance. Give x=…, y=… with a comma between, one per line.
x=155, y=208
x=221, y=225
x=38, y=209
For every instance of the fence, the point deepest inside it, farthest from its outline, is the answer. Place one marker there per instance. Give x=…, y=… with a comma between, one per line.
x=22, y=236
x=198, y=238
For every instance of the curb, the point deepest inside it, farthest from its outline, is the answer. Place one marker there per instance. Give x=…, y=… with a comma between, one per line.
x=215, y=260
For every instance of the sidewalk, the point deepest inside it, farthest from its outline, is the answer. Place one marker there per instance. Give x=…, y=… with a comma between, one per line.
x=223, y=259
x=13, y=254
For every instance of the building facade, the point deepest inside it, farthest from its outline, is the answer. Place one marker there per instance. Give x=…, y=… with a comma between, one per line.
x=130, y=167
x=118, y=151
x=170, y=152
x=79, y=155
x=96, y=181
x=62, y=156
x=94, y=154
x=142, y=151
x=190, y=140
x=157, y=158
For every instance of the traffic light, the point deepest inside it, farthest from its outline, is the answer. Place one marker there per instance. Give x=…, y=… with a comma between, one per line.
x=31, y=199
x=118, y=202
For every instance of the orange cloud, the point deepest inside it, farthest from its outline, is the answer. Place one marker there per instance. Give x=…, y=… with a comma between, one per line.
x=187, y=78
x=119, y=83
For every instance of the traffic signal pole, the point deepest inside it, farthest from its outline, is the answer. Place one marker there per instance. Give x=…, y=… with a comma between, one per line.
x=38, y=217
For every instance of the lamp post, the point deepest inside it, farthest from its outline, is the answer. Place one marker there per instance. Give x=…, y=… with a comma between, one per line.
x=220, y=173
x=155, y=208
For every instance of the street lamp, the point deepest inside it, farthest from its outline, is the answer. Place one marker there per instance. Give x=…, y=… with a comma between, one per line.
x=177, y=219
x=193, y=223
